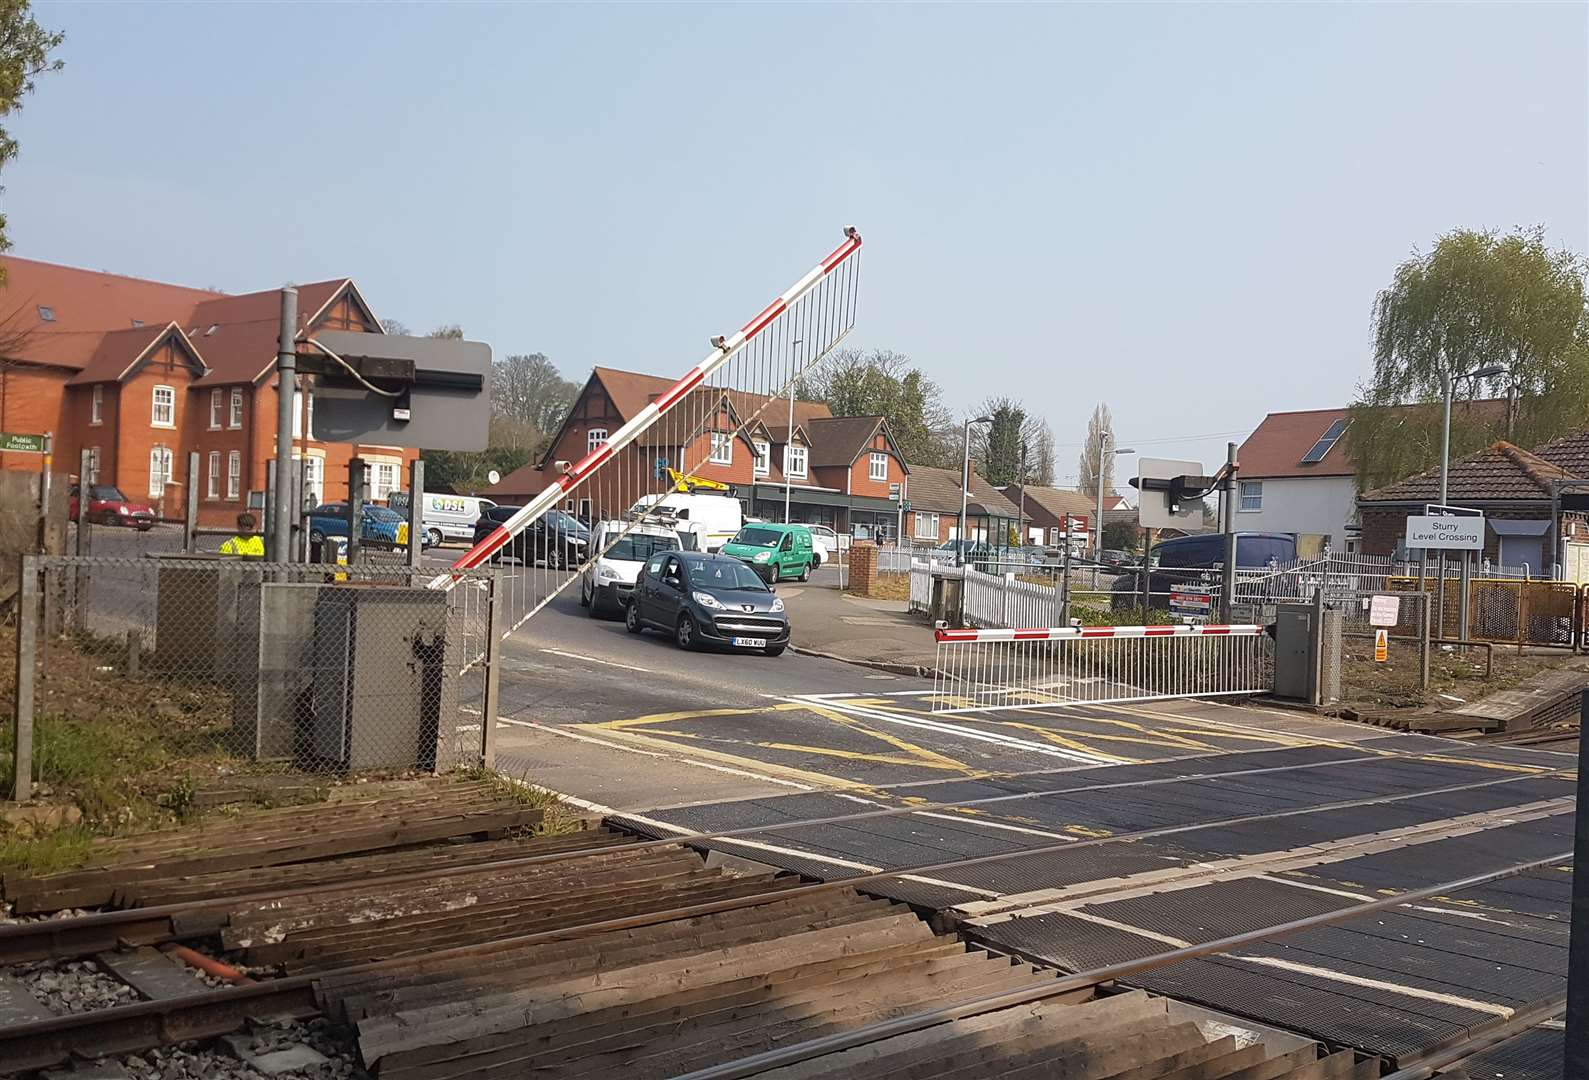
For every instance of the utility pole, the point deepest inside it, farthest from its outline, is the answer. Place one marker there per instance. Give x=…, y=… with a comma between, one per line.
x=1228, y=489
x=965, y=487
x=280, y=530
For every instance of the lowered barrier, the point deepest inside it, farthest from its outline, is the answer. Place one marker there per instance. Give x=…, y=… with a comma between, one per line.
x=979, y=670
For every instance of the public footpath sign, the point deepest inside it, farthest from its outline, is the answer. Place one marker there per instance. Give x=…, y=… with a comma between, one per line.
x=1445, y=533
x=17, y=443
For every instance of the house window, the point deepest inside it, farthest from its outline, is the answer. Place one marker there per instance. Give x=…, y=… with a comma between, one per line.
x=159, y=470
x=234, y=474
x=763, y=458
x=314, y=480
x=795, y=461
x=722, y=448
x=93, y=465
x=163, y=412
x=594, y=438
x=236, y=418
x=877, y=468
x=214, y=488
x=297, y=414
x=96, y=406
x=380, y=480
x=1251, y=495
x=927, y=525
x=215, y=410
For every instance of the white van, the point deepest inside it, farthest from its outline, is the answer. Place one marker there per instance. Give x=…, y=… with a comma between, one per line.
x=451, y=517
x=622, y=549
x=704, y=522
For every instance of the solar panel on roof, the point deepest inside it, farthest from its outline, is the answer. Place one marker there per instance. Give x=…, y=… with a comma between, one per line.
x=1326, y=442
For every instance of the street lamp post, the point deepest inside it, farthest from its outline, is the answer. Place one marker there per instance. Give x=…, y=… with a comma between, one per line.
x=965, y=486
x=789, y=442
x=1488, y=372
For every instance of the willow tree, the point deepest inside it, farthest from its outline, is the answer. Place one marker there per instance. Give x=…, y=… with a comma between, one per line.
x=1477, y=300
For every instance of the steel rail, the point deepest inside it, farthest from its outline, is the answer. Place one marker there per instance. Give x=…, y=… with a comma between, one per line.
x=126, y=1028
x=63, y=938
x=904, y=1025
x=1519, y=1022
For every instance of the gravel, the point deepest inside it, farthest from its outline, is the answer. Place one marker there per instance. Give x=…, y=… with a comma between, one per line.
x=74, y=986
x=216, y=1061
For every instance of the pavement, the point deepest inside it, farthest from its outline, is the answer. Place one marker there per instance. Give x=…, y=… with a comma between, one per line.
x=841, y=625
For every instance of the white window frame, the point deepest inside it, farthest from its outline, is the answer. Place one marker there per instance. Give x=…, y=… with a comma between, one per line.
x=93, y=465
x=215, y=409
x=926, y=524
x=313, y=479
x=722, y=448
x=763, y=458
x=1249, y=494
x=170, y=407
x=877, y=466
x=234, y=474
x=594, y=438
x=234, y=416
x=297, y=414
x=794, y=461
x=159, y=470
x=96, y=405
x=213, y=483
x=378, y=482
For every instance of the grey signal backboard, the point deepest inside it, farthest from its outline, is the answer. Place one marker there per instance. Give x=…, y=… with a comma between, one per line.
x=444, y=387
x=1153, y=505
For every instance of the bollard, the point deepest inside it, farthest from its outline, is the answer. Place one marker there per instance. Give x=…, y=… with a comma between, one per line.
x=134, y=653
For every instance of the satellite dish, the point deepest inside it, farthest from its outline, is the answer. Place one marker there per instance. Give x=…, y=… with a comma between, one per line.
x=494, y=477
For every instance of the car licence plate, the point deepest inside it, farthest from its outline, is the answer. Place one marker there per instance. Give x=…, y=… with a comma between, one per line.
x=748, y=642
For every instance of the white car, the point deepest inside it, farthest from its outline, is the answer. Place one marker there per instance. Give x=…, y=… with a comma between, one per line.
x=824, y=540
x=608, y=582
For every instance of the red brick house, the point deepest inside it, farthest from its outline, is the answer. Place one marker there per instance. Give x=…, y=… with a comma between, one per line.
x=142, y=373
x=841, y=471
x=1515, y=488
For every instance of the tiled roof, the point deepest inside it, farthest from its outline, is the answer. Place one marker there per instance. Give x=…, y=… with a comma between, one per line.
x=117, y=350
x=839, y=440
x=1277, y=446
x=1570, y=452
x=92, y=310
x=632, y=391
x=1057, y=502
x=1501, y=472
x=938, y=491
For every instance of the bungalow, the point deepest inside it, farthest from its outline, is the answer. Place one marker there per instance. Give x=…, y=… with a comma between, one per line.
x=934, y=516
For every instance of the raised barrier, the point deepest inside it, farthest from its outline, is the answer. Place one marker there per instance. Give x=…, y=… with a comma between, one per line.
x=981, y=670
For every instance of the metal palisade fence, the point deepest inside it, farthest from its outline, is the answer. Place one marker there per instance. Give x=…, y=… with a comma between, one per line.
x=254, y=665
x=720, y=414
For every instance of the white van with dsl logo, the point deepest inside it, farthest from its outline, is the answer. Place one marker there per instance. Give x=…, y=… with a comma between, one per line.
x=451, y=517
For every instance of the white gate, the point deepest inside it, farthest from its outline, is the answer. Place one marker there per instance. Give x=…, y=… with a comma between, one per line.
x=740, y=395
x=978, y=670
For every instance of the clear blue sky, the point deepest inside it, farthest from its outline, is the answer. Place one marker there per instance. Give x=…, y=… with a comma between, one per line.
x=1183, y=211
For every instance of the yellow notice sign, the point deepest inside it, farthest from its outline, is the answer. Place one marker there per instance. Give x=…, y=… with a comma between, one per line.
x=1381, y=646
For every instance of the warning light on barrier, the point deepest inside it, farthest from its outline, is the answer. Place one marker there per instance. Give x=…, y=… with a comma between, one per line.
x=1381, y=646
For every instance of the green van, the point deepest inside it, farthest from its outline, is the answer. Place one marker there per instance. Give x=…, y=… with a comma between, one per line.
x=774, y=551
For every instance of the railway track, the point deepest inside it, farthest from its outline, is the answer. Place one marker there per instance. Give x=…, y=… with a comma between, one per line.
x=450, y=950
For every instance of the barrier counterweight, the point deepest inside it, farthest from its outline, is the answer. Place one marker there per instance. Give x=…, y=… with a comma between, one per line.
x=980, y=670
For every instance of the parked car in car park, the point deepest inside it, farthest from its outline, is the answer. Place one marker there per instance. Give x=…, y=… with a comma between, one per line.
x=1191, y=560
x=708, y=600
x=608, y=582
x=774, y=551
x=381, y=526
x=1114, y=559
x=555, y=538
x=108, y=506
x=825, y=542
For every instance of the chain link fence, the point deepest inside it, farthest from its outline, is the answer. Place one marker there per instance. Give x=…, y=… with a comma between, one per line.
x=310, y=667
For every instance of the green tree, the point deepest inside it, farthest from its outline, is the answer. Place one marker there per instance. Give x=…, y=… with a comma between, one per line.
x=1003, y=445
x=1476, y=299
x=883, y=383
x=1097, y=454
x=1121, y=536
x=25, y=48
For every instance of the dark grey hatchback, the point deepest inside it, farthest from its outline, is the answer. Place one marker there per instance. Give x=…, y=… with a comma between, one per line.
x=707, y=600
